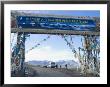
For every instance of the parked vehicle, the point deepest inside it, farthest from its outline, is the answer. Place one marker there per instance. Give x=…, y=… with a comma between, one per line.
x=53, y=65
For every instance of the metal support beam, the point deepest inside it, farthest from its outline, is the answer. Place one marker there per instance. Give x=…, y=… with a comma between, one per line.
x=53, y=31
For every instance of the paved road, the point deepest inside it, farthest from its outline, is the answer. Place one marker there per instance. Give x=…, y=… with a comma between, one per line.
x=52, y=72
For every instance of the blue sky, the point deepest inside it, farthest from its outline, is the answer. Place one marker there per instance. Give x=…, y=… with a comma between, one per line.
x=91, y=13
x=55, y=47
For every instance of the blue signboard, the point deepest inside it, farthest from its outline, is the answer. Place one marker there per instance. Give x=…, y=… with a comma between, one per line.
x=56, y=23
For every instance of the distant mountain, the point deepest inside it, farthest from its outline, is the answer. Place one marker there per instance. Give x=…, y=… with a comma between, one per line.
x=70, y=63
x=34, y=62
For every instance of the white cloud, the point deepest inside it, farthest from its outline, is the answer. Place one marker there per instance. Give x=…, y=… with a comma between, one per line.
x=48, y=53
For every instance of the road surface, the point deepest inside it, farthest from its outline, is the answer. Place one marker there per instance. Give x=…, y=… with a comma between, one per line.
x=53, y=72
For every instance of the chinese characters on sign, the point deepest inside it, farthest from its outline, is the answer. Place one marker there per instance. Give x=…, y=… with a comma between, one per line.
x=56, y=23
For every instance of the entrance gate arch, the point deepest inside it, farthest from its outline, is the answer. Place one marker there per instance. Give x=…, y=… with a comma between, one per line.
x=24, y=24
